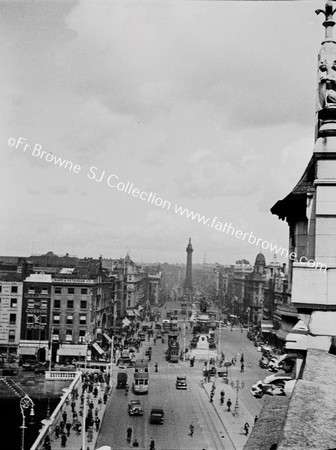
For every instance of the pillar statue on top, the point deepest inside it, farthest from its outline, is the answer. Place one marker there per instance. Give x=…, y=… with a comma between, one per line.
x=326, y=90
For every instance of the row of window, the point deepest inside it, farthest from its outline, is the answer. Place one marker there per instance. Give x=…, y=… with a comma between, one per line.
x=14, y=289
x=69, y=319
x=13, y=302
x=70, y=304
x=71, y=290
x=44, y=290
x=68, y=335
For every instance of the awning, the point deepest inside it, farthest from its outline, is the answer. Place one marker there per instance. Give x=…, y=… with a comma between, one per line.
x=72, y=350
x=27, y=350
x=106, y=336
x=266, y=326
x=281, y=334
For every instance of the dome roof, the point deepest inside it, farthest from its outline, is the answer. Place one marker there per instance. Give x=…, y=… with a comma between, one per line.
x=260, y=260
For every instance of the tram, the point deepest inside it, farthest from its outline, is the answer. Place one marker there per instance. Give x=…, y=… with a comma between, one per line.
x=173, y=347
x=141, y=377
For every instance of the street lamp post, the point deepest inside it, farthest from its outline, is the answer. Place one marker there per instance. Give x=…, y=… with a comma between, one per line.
x=25, y=403
x=111, y=368
x=219, y=339
x=238, y=385
x=184, y=339
x=87, y=341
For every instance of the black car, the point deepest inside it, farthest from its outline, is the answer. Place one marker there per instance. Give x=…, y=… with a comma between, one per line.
x=156, y=416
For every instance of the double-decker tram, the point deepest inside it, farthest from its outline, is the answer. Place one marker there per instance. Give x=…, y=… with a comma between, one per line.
x=141, y=377
x=173, y=347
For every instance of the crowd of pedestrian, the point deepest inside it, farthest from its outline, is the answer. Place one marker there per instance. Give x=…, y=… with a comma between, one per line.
x=95, y=390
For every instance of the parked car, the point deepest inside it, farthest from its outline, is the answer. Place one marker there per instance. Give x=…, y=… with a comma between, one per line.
x=156, y=415
x=41, y=368
x=259, y=389
x=29, y=364
x=135, y=408
x=275, y=386
x=285, y=362
x=181, y=382
x=264, y=362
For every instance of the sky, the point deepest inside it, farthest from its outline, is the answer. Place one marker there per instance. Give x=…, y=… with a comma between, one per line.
x=208, y=105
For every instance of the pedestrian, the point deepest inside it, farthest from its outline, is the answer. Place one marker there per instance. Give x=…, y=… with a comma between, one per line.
x=63, y=440
x=156, y=367
x=62, y=425
x=78, y=428
x=152, y=444
x=97, y=423
x=47, y=443
x=242, y=358
x=105, y=398
x=191, y=428
x=68, y=428
x=100, y=401
x=90, y=434
x=129, y=434
x=242, y=367
x=57, y=431
x=64, y=415
x=135, y=443
x=255, y=418
x=96, y=411
x=246, y=428
x=211, y=397
x=229, y=404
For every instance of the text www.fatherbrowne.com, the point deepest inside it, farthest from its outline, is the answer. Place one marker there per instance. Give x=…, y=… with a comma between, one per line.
x=113, y=182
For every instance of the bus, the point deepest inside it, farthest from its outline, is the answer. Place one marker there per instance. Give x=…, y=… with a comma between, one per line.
x=173, y=323
x=173, y=347
x=141, y=377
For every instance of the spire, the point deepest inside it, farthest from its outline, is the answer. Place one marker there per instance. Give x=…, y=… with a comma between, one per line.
x=329, y=21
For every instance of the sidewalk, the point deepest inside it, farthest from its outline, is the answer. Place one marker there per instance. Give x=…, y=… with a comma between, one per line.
x=75, y=441
x=233, y=423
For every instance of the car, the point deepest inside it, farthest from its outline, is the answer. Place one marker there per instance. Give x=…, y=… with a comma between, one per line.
x=285, y=362
x=125, y=362
x=181, y=382
x=259, y=389
x=276, y=387
x=134, y=408
x=41, y=368
x=29, y=364
x=156, y=416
